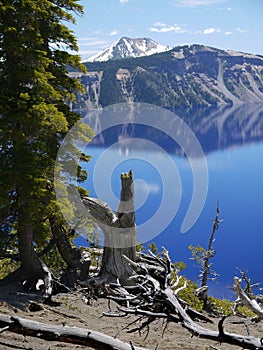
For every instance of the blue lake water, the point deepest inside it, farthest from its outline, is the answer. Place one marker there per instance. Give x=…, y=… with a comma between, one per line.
x=232, y=141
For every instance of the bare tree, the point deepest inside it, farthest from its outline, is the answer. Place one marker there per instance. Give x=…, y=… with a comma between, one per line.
x=203, y=257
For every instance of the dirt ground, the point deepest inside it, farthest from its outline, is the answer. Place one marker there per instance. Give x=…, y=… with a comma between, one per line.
x=73, y=311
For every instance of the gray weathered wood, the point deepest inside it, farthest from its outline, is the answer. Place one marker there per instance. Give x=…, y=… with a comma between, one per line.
x=247, y=342
x=243, y=299
x=119, y=234
x=65, y=334
x=157, y=299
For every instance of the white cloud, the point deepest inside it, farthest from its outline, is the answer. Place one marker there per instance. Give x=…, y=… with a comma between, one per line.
x=242, y=31
x=94, y=41
x=88, y=46
x=96, y=32
x=195, y=3
x=87, y=53
x=154, y=188
x=159, y=24
x=211, y=30
x=114, y=32
x=228, y=33
x=143, y=188
x=124, y=1
x=160, y=27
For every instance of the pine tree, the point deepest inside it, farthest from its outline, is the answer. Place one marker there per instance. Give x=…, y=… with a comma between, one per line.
x=34, y=117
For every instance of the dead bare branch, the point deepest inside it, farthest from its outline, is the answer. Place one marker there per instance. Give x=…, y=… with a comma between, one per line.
x=2, y=330
x=157, y=300
x=243, y=298
x=64, y=334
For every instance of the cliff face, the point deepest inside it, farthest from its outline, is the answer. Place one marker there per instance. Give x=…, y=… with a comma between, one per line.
x=184, y=76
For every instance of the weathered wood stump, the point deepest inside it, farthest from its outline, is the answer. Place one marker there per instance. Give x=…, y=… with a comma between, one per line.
x=119, y=234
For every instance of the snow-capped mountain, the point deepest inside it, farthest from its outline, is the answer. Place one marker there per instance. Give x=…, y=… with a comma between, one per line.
x=129, y=48
x=186, y=75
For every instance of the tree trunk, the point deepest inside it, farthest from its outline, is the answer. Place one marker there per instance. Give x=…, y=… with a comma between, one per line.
x=31, y=267
x=71, y=255
x=119, y=234
x=77, y=265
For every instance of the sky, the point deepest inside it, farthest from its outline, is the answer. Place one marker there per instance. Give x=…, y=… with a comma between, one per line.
x=225, y=24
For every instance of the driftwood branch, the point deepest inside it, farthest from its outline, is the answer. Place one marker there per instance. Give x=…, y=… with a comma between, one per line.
x=65, y=334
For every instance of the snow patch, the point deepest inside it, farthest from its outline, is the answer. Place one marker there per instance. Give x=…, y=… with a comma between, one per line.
x=129, y=48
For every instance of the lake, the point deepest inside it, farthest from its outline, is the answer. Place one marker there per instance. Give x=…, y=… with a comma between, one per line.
x=185, y=162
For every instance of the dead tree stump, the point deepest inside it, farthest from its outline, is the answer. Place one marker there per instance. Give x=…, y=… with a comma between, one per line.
x=119, y=234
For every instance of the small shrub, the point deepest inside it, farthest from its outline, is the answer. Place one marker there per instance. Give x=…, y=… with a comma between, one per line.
x=222, y=306
x=7, y=266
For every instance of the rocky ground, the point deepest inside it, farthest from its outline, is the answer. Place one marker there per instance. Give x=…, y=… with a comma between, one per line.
x=71, y=310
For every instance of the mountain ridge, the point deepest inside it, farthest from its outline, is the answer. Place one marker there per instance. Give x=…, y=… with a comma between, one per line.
x=187, y=75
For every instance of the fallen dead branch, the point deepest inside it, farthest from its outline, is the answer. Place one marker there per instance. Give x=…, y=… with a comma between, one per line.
x=244, y=299
x=74, y=335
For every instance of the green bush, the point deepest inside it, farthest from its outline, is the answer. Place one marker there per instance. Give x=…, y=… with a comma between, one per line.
x=7, y=266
